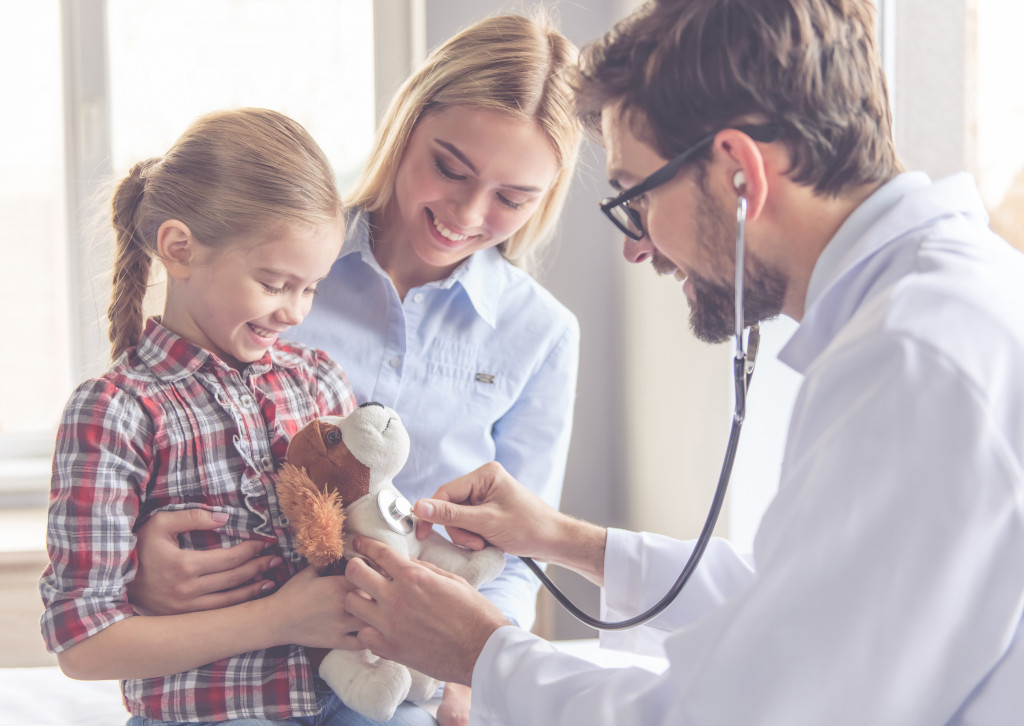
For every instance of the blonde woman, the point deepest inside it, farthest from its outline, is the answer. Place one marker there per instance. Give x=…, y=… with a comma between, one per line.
x=430, y=306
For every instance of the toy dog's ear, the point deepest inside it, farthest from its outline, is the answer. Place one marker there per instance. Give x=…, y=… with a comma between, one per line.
x=319, y=448
x=315, y=516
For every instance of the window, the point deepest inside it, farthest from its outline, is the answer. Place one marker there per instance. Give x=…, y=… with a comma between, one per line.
x=999, y=115
x=100, y=85
x=33, y=382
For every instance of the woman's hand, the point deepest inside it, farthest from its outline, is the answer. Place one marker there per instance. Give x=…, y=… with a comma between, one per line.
x=171, y=580
x=419, y=615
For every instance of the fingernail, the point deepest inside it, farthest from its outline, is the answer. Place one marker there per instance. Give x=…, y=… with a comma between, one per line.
x=220, y=517
x=426, y=509
x=357, y=542
x=276, y=562
x=267, y=586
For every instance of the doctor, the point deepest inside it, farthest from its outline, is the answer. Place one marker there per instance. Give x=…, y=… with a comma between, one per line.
x=886, y=585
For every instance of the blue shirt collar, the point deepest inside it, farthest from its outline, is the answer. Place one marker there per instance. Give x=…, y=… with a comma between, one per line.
x=482, y=275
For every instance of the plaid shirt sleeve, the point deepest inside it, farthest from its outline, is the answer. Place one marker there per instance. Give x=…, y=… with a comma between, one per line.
x=97, y=472
x=334, y=395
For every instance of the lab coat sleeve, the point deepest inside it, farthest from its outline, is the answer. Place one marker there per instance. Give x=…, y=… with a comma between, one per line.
x=641, y=567
x=888, y=574
x=520, y=678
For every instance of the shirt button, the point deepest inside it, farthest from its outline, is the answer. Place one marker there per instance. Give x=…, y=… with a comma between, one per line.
x=247, y=401
x=395, y=362
x=418, y=297
x=267, y=463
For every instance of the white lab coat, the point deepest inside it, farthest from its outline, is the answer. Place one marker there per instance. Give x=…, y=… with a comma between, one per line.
x=886, y=584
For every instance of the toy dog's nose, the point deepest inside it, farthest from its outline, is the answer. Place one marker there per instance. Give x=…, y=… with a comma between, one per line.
x=371, y=403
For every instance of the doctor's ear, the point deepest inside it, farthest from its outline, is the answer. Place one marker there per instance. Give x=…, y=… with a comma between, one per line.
x=741, y=162
x=175, y=246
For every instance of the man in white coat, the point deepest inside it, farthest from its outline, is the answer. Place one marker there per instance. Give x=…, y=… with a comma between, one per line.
x=886, y=585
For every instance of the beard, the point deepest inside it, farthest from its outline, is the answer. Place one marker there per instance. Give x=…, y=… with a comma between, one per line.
x=713, y=316
x=712, y=313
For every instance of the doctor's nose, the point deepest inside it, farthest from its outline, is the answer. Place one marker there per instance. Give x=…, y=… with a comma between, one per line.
x=637, y=250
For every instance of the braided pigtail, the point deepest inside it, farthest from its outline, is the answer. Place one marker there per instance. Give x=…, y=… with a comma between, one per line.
x=132, y=261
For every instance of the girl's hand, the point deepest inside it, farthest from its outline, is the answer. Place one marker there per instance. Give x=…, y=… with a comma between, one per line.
x=310, y=610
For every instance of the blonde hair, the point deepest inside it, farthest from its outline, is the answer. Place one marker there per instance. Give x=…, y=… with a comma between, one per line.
x=510, y=64
x=246, y=172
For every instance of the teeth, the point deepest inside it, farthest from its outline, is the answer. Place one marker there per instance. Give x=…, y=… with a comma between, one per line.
x=447, y=233
x=262, y=332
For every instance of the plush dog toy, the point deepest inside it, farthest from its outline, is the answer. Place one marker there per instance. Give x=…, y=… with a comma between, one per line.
x=337, y=484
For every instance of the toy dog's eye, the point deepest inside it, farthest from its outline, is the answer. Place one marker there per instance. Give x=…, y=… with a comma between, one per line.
x=333, y=436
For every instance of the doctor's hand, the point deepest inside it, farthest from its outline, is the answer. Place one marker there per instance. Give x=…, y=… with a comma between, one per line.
x=417, y=614
x=488, y=506
x=171, y=580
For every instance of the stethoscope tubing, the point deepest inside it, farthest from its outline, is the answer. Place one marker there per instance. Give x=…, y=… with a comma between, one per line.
x=743, y=371
x=688, y=568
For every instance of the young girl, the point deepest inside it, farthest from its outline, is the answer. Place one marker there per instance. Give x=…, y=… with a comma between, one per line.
x=429, y=302
x=196, y=412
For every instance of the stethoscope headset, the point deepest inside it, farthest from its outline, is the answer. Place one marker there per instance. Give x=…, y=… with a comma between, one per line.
x=743, y=371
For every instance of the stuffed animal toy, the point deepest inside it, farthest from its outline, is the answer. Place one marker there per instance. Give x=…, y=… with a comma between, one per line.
x=337, y=483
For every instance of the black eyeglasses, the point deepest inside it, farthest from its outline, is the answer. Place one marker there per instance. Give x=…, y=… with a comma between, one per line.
x=628, y=220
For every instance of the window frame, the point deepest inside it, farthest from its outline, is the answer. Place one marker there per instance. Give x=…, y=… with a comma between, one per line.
x=399, y=39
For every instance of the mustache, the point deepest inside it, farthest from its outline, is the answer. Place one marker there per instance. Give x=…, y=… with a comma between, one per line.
x=661, y=264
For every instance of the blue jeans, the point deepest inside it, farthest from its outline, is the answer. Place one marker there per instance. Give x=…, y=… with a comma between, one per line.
x=332, y=713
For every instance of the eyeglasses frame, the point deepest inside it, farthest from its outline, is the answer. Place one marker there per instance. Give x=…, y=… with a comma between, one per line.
x=764, y=133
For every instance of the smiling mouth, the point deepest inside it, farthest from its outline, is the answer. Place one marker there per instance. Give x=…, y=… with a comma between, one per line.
x=263, y=332
x=445, y=232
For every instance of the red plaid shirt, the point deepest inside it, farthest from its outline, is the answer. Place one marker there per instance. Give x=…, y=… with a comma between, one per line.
x=170, y=426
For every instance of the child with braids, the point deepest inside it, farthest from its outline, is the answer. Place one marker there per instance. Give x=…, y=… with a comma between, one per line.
x=197, y=411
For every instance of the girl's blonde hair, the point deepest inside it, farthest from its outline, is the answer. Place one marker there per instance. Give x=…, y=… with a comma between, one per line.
x=509, y=64
x=232, y=174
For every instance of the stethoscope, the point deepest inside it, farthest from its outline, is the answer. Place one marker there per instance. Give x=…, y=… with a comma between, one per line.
x=743, y=370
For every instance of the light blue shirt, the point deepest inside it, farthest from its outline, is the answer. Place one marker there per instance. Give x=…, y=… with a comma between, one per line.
x=481, y=366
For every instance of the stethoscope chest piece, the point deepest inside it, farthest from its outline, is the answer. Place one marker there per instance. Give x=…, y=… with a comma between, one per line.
x=396, y=511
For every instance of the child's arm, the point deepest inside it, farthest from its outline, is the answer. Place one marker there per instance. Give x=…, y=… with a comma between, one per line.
x=307, y=610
